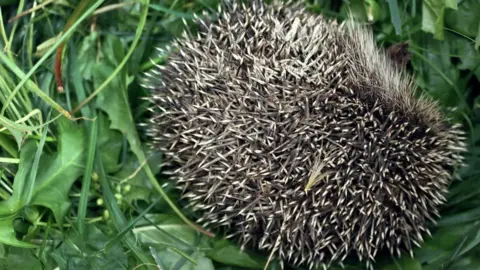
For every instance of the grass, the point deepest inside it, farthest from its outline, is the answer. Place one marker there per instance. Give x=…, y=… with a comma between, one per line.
x=79, y=188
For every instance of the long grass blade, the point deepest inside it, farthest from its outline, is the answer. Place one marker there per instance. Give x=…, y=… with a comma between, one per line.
x=87, y=177
x=118, y=218
x=25, y=79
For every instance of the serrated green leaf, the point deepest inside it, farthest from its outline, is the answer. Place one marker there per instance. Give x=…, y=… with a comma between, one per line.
x=114, y=99
x=61, y=169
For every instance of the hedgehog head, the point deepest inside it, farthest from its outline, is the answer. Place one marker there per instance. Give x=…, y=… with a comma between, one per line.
x=297, y=136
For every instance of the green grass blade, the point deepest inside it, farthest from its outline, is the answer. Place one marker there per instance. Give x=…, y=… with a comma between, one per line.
x=76, y=79
x=14, y=28
x=30, y=85
x=7, y=144
x=25, y=78
x=87, y=177
x=129, y=227
x=116, y=214
x=171, y=11
x=395, y=16
x=33, y=173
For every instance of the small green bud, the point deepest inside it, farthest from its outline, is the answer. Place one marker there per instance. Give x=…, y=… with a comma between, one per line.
x=106, y=214
x=100, y=201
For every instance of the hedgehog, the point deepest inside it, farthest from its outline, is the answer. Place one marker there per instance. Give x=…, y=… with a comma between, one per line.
x=299, y=137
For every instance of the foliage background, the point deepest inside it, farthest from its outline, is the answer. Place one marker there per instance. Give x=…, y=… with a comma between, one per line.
x=83, y=193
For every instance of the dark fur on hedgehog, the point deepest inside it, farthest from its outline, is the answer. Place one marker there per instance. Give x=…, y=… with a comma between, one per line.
x=297, y=135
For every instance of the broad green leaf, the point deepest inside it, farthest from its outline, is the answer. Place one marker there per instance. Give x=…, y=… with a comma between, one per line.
x=226, y=252
x=19, y=258
x=174, y=244
x=114, y=101
x=468, y=55
x=110, y=143
x=8, y=235
x=132, y=175
x=169, y=259
x=436, y=73
x=168, y=230
x=465, y=19
x=433, y=12
x=87, y=53
x=74, y=253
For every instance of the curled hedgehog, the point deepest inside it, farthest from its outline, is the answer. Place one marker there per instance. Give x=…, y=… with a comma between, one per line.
x=299, y=137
